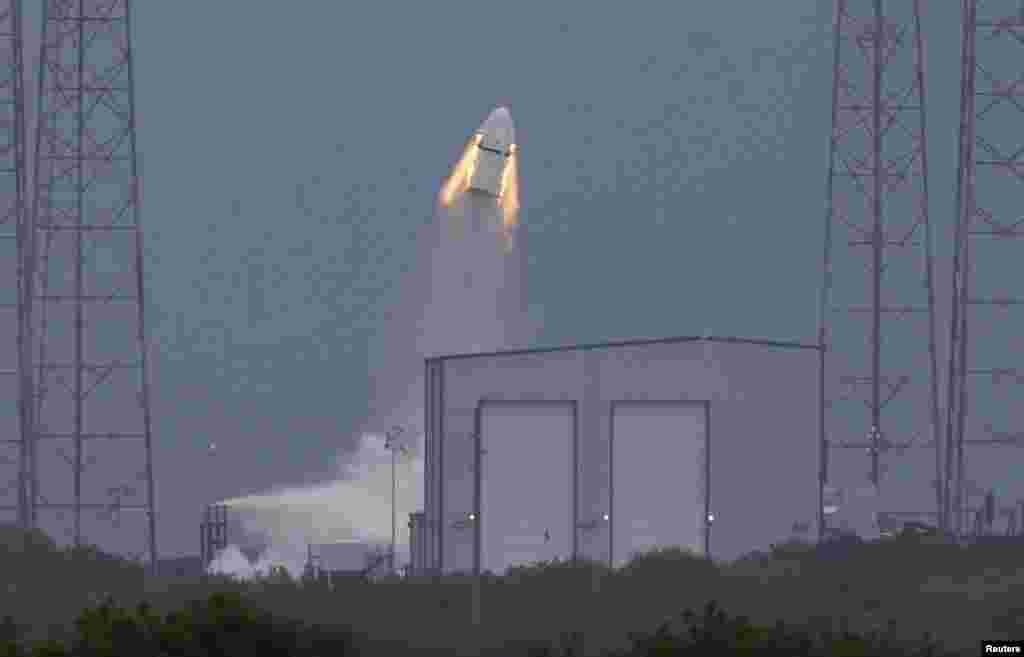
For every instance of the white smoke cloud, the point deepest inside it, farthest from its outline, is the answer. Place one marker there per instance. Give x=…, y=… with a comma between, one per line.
x=356, y=507
x=284, y=555
x=464, y=295
x=232, y=561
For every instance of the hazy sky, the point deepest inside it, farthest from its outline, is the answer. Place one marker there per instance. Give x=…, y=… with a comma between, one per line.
x=672, y=158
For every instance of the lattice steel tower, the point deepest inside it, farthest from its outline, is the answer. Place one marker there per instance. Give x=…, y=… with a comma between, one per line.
x=984, y=409
x=15, y=370
x=879, y=393
x=94, y=462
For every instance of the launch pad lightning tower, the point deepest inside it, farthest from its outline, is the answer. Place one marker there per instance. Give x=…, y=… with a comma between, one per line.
x=879, y=393
x=15, y=393
x=88, y=468
x=987, y=353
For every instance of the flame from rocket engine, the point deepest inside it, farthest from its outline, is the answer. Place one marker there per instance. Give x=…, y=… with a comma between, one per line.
x=458, y=181
x=508, y=198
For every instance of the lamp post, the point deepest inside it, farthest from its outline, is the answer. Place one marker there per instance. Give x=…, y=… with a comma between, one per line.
x=391, y=444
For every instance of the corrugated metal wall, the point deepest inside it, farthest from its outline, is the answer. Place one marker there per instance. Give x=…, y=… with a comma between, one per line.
x=762, y=434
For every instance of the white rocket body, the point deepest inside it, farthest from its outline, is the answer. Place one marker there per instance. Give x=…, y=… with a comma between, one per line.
x=495, y=140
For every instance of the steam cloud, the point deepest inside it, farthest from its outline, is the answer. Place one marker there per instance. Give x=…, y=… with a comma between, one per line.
x=357, y=507
x=465, y=294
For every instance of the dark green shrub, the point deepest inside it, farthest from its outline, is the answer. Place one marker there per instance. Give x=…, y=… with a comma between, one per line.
x=667, y=558
x=223, y=626
x=17, y=541
x=716, y=634
x=926, y=582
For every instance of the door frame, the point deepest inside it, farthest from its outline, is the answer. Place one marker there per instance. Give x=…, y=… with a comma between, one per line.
x=614, y=405
x=484, y=402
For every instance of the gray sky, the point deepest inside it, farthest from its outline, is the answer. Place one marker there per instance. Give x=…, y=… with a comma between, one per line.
x=673, y=162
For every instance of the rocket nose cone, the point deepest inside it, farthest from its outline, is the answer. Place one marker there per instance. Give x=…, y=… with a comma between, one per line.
x=498, y=127
x=499, y=118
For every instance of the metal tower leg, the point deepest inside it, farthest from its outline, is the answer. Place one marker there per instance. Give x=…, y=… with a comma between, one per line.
x=15, y=369
x=878, y=278
x=93, y=414
x=985, y=373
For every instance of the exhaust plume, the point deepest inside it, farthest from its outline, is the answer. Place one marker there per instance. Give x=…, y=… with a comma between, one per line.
x=465, y=294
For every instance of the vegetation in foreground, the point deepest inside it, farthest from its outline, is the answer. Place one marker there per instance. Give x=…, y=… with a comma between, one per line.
x=227, y=626
x=906, y=596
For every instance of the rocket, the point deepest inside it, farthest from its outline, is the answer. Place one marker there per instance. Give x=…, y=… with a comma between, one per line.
x=467, y=290
x=488, y=166
x=494, y=148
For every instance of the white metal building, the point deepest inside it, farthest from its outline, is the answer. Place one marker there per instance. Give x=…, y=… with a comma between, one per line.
x=597, y=451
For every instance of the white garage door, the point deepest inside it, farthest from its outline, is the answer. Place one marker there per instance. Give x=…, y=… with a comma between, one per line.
x=657, y=468
x=526, y=484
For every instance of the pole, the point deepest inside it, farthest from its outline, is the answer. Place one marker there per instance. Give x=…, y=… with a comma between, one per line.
x=393, y=528
x=391, y=443
x=877, y=246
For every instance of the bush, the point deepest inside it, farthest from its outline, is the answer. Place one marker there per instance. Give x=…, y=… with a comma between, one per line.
x=223, y=626
x=226, y=626
x=667, y=558
x=716, y=634
x=832, y=591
